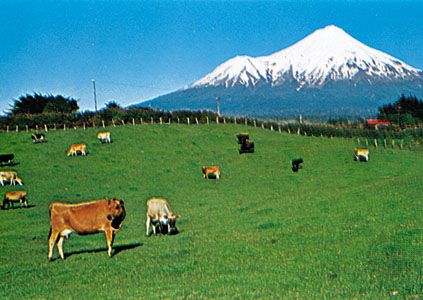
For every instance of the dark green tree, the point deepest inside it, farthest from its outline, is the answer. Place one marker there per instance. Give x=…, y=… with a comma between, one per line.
x=39, y=103
x=406, y=109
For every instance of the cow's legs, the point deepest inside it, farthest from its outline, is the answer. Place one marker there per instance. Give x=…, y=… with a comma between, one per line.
x=147, y=226
x=110, y=236
x=217, y=176
x=60, y=247
x=51, y=242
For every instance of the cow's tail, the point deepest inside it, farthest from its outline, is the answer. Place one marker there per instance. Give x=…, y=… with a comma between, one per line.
x=49, y=214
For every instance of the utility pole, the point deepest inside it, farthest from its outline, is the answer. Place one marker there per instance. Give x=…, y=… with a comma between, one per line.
x=218, y=105
x=95, y=95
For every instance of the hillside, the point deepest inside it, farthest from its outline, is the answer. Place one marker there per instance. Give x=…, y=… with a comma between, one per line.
x=338, y=229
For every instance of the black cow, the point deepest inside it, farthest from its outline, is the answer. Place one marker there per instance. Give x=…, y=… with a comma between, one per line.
x=296, y=164
x=38, y=138
x=247, y=147
x=242, y=138
x=7, y=159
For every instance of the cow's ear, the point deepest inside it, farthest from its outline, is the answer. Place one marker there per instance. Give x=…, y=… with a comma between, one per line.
x=165, y=216
x=122, y=202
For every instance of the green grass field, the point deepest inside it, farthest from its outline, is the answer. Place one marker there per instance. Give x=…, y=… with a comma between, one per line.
x=338, y=229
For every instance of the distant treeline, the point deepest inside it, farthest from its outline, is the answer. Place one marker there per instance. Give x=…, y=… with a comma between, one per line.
x=37, y=111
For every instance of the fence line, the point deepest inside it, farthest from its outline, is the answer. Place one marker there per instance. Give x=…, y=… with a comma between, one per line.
x=374, y=138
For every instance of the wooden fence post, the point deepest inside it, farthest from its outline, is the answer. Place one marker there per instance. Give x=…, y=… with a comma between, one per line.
x=178, y=120
x=358, y=141
x=36, y=127
x=113, y=123
x=393, y=143
x=133, y=122
x=384, y=143
x=262, y=125
x=170, y=119
x=217, y=119
x=188, y=120
x=255, y=123
x=196, y=121
x=271, y=127
x=279, y=129
x=367, y=142
x=224, y=120
x=7, y=128
x=123, y=122
x=151, y=120
x=64, y=127
x=74, y=127
x=375, y=143
x=26, y=127
x=235, y=120
x=401, y=145
x=207, y=120
x=45, y=128
x=160, y=120
x=54, y=126
x=83, y=125
x=246, y=121
x=298, y=131
x=141, y=121
x=289, y=130
x=17, y=128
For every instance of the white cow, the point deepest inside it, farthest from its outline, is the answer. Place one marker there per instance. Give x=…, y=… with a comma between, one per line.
x=160, y=214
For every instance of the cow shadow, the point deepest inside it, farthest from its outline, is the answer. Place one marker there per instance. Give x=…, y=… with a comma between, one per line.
x=116, y=249
x=10, y=164
x=18, y=207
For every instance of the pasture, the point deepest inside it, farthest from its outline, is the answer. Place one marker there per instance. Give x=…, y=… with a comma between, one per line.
x=337, y=229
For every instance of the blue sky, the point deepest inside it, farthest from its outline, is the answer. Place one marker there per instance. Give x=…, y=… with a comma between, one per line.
x=138, y=50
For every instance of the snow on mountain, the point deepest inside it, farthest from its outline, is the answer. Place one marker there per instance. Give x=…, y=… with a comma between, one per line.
x=327, y=54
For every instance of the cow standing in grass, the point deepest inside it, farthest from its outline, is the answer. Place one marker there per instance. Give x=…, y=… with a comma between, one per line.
x=38, y=138
x=77, y=148
x=11, y=177
x=211, y=170
x=15, y=196
x=84, y=218
x=159, y=214
x=361, y=154
x=104, y=137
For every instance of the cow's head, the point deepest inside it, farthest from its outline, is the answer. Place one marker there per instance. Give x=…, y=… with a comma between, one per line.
x=169, y=222
x=117, y=212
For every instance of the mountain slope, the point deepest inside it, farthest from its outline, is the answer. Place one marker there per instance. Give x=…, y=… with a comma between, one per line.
x=330, y=70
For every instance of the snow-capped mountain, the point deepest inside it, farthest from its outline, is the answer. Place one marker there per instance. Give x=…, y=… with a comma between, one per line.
x=326, y=54
x=327, y=72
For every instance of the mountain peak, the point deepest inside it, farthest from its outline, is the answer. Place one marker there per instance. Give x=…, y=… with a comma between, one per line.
x=327, y=54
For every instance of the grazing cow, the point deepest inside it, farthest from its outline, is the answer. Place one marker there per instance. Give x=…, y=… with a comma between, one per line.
x=15, y=196
x=243, y=138
x=7, y=159
x=211, y=170
x=75, y=148
x=84, y=218
x=159, y=214
x=247, y=147
x=10, y=176
x=361, y=154
x=296, y=164
x=38, y=138
x=104, y=137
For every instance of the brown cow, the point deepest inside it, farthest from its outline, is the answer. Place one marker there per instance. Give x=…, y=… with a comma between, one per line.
x=15, y=196
x=212, y=170
x=84, y=218
x=75, y=148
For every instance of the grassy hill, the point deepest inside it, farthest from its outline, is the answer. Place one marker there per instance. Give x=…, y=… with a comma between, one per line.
x=338, y=229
